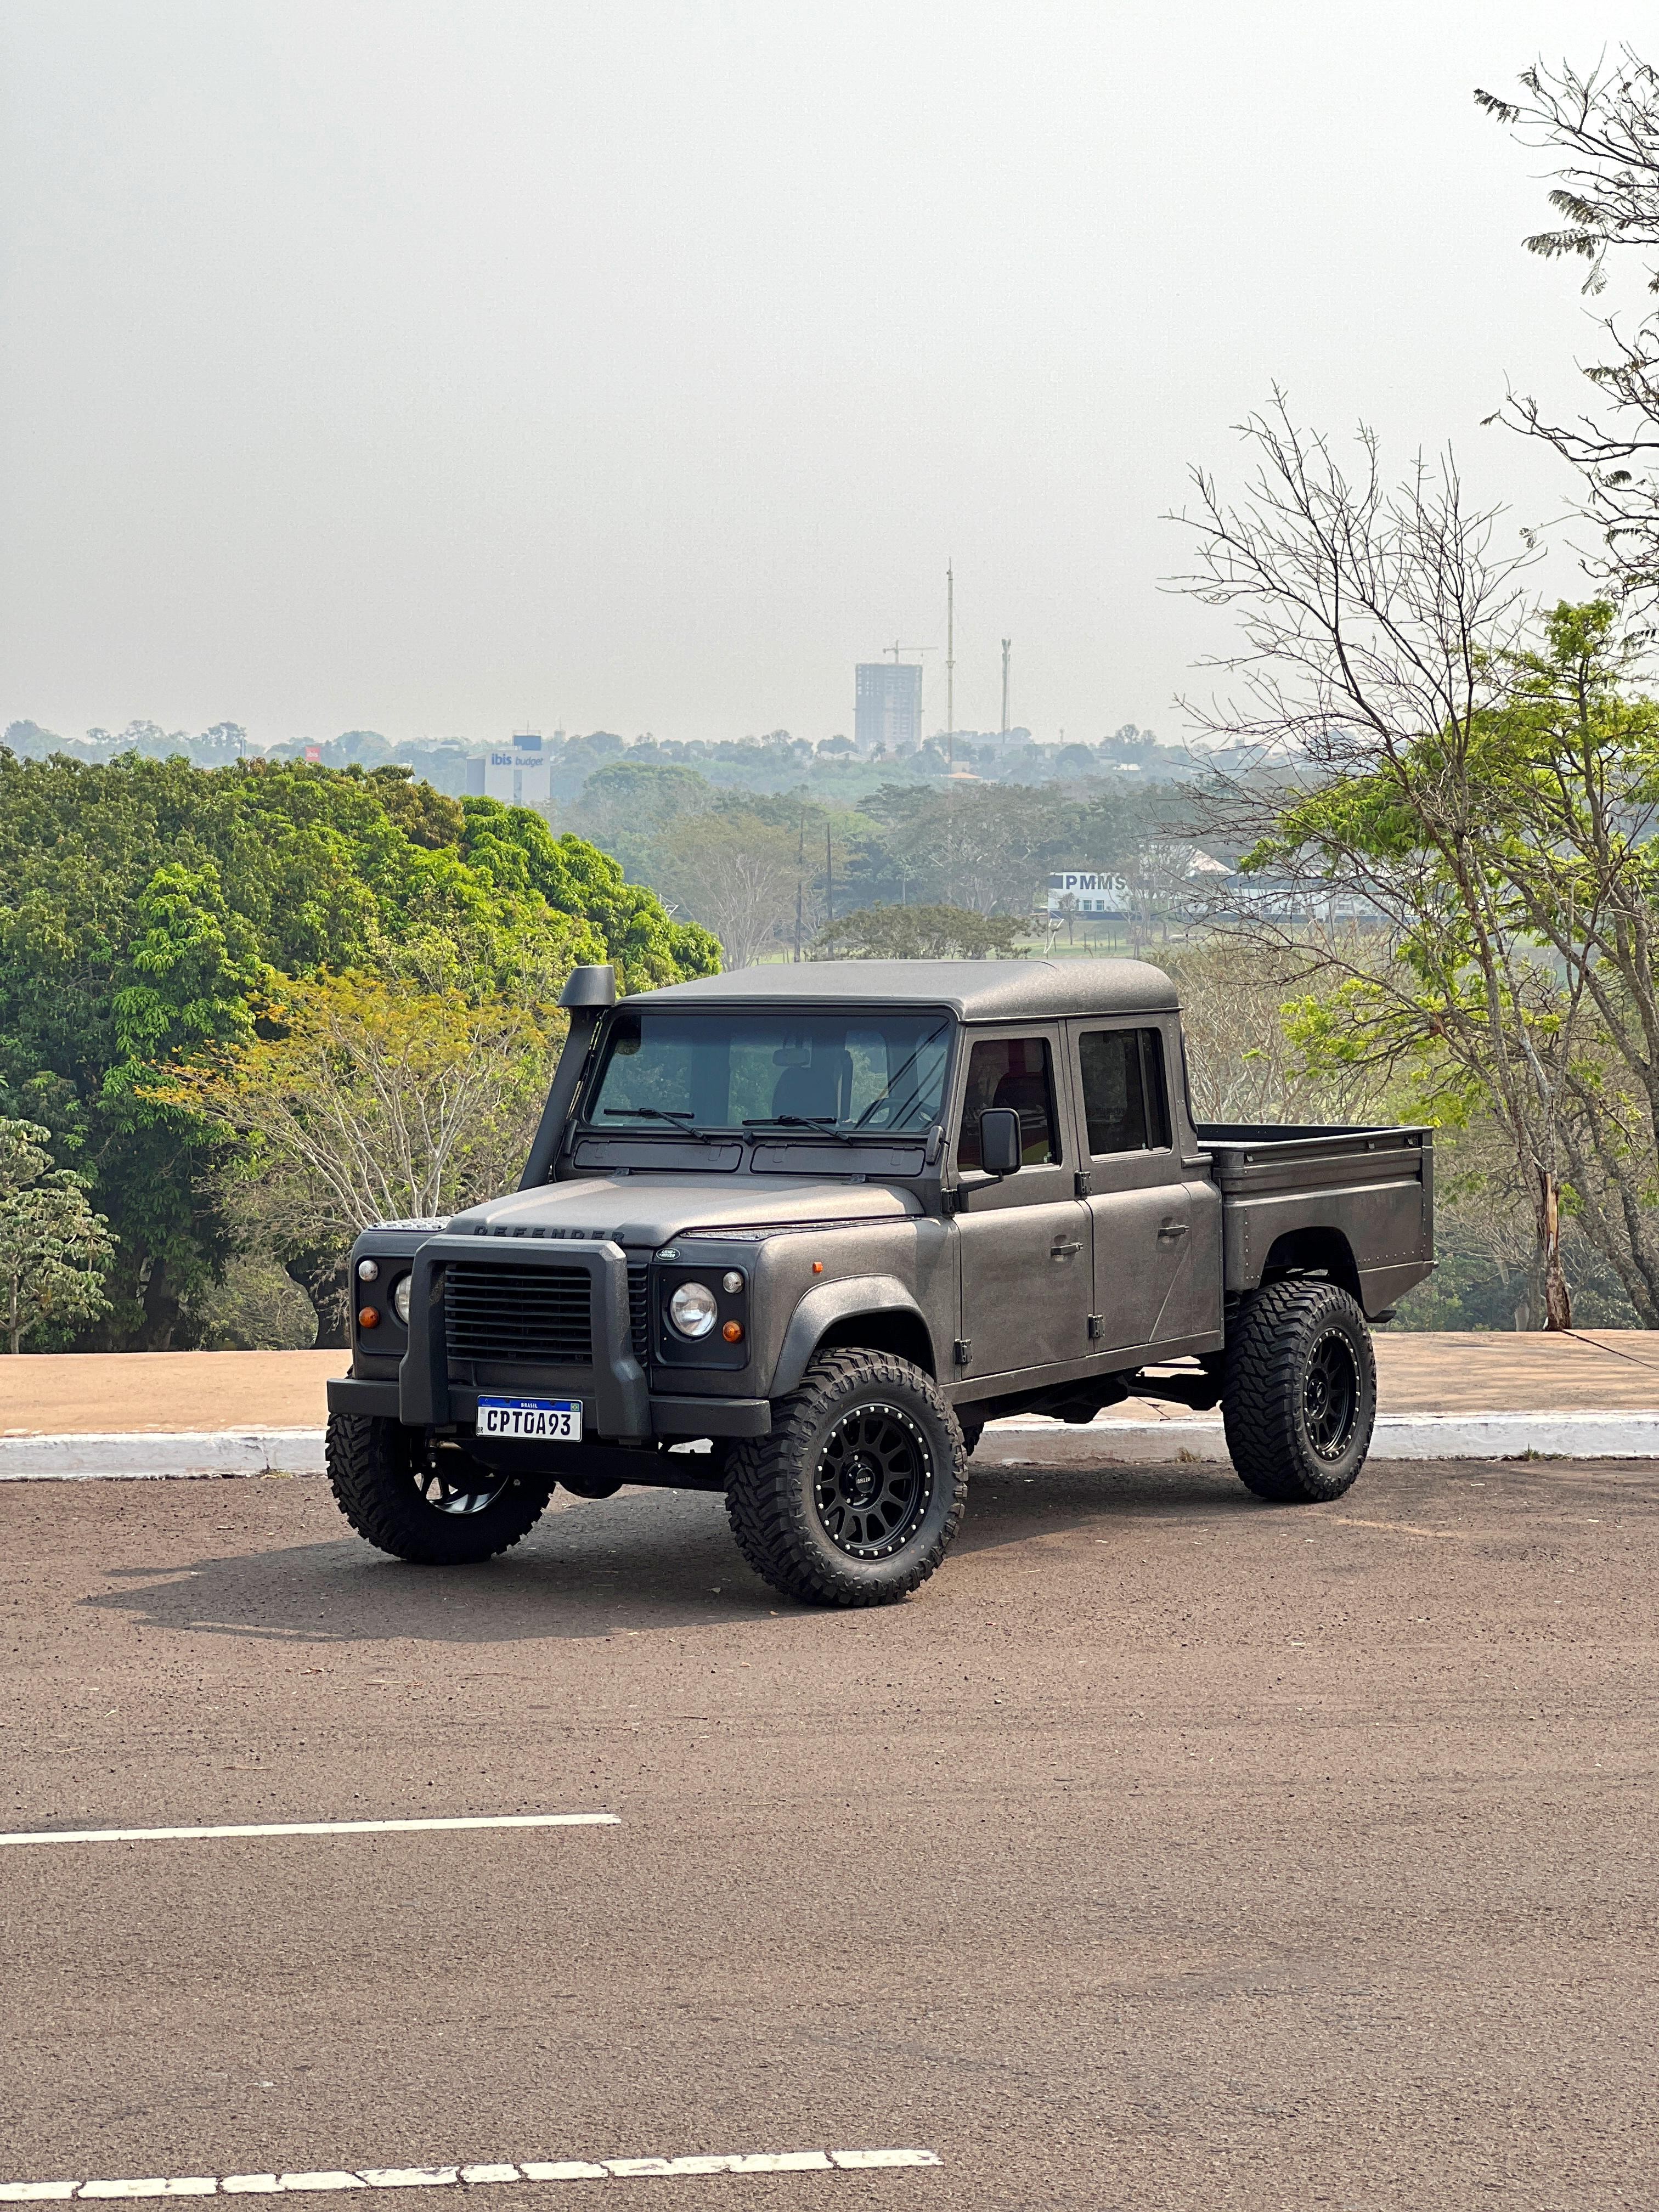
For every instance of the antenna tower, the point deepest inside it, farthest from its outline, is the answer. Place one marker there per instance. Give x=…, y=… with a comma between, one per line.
x=1007, y=642
x=950, y=667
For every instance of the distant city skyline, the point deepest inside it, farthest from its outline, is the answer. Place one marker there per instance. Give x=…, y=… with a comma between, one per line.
x=618, y=363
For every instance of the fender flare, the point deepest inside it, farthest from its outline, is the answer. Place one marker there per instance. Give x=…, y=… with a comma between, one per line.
x=828, y=1303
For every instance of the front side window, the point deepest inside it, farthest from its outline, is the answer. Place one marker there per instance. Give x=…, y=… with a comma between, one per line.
x=773, y=1074
x=1015, y=1072
x=1123, y=1092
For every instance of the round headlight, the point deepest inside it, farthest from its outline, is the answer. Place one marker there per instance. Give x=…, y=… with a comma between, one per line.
x=400, y=1291
x=692, y=1309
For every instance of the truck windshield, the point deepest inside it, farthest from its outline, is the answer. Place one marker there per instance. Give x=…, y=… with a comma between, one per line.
x=774, y=1075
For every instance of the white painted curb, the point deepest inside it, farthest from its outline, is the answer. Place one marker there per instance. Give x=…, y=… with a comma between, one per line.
x=184, y=1457
x=1397, y=1435
x=179, y=1455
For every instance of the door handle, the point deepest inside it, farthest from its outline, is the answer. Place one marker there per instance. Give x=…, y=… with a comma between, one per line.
x=1063, y=1251
x=1170, y=1229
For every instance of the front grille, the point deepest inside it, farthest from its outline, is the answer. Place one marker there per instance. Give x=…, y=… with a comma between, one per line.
x=539, y=1314
x=639, y=1308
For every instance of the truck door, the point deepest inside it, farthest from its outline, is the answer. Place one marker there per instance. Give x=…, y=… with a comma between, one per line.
x=1143, y=1217
x=1022, y=1240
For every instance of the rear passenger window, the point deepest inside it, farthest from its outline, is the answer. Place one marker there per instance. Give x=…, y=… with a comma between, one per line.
x=1124, y=1100
x=1011, y=1072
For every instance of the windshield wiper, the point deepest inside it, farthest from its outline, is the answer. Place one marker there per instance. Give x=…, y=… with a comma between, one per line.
x=826, y=1122
x=677, y=1117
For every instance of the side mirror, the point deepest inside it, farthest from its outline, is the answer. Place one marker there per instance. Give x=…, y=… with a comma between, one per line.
x=1001, y=1146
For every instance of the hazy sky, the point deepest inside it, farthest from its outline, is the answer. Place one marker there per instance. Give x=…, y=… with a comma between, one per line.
x=441, y=368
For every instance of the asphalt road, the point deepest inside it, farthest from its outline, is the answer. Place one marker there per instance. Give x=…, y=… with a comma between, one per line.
x=1168, y=1850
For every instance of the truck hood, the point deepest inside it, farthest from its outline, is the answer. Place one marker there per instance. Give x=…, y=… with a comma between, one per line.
x=652, y=1210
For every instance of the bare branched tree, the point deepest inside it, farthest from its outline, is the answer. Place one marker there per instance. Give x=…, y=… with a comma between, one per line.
x=1605, y=123
x=1380, y=626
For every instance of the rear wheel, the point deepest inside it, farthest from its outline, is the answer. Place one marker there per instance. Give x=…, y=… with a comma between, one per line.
x=433, y=1505
x=854, y=1496
x=1299, y=1399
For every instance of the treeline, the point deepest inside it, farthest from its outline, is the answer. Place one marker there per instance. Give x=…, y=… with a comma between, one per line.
x=759, y=870
x=777, y=762
x=247, y=1009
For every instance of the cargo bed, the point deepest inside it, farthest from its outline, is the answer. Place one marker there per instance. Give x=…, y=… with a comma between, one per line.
x=1290, y=1195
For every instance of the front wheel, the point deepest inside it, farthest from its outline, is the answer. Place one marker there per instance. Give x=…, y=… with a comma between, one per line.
x=854, y=1496
x=435, y=1506
x=1299, y=1399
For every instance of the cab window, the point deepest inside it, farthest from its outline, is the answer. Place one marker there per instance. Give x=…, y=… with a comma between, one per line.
x=1125, y=1100
x=1017, y=1071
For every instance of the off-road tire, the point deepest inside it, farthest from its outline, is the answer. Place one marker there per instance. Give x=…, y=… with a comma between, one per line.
x=972, y=1424
x=373, y=1469
x=1284, y=1443
x=772, y=1482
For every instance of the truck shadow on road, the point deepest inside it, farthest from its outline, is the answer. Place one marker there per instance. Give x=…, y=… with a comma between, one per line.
x=626, y=1565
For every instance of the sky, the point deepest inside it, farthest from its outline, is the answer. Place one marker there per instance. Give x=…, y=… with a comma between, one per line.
x=445, y=370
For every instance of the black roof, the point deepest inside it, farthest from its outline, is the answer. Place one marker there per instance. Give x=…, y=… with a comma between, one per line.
x=978, y=990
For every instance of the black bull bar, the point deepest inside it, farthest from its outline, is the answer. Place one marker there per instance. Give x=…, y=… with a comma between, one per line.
x=618, y=1388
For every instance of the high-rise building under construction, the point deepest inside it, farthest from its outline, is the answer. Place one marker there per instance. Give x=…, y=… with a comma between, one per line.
x=887, y=711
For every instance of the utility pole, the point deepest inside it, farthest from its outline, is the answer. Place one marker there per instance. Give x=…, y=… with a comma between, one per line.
x=830, y=887
x=801, y=880
x=1007, y=642
x=950, y=667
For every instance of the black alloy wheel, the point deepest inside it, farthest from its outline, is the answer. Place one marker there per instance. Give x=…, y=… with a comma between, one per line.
x=1299, y=1400
x=856, y=1493
x=432, y=1504
x=875, y=1477
x=1331, y=1395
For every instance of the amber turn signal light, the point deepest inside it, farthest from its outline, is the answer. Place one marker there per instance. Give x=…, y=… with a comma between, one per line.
x=732, y=1332
x=367, y=1318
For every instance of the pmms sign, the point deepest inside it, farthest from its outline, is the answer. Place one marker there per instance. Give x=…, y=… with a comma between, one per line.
x=1087, y=890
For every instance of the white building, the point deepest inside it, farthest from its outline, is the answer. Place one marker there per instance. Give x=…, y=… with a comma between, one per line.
x=517, y=775
x=1087, y=890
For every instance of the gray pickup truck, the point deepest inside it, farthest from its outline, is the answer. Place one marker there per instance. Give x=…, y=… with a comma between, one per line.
x=796, y=1233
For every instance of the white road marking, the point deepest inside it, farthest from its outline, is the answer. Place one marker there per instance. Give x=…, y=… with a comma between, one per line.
x=308, y=1828
x=446, y=2176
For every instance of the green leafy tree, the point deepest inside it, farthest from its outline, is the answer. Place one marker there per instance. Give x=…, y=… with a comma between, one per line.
x=1486, y=782
x=146, y=906
x=54, y=1251
x=360, y=1100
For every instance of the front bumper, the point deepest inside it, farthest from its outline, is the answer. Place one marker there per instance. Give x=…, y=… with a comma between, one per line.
x=618, y=1404
x=664, y=1416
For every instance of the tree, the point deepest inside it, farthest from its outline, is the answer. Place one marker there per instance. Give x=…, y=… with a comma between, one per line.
x=627, y=805
x=924, y=932
x=146, y=906
x=364, y=1100
x=1605, y=123
x=739, y=874
x=1382, y=630
x=54, y=1251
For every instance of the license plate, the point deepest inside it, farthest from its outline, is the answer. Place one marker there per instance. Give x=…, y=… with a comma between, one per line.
x=547, y=1420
